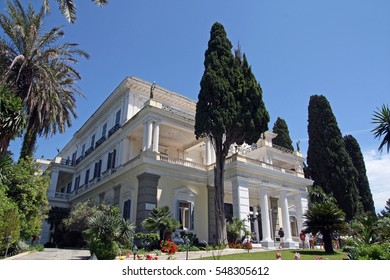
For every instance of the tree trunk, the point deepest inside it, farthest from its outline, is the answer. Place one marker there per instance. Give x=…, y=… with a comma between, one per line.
x=219, y=171
x=29, y=141
x=327, y=238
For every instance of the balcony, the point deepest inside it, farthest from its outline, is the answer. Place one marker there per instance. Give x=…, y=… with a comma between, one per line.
x=79, y=159
x=100, y=141
x=113, y=130
x=87, y=152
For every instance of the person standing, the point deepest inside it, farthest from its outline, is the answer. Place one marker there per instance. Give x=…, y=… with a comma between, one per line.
x=302, y=236
x=281, y=236
x=311, y=241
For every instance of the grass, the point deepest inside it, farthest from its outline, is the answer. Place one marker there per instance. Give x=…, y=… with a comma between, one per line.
x=286, y=255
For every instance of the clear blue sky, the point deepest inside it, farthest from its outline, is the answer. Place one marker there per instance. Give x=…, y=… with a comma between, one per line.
x=340, y=49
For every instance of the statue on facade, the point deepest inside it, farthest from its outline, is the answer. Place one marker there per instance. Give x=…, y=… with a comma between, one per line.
x=152, y=89
x=298, y=146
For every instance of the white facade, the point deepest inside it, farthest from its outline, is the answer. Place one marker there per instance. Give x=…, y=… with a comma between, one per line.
x=138, y=153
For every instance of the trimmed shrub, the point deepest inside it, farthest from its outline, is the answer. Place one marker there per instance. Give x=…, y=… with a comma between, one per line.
x=104, y=250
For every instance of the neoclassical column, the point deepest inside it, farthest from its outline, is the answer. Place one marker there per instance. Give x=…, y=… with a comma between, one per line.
x=265, y=220
x=53, y=182
x=285, y=216
x=240, y=199
x=156, y=135
x=208, y=151
x=149, y=136
x=256, y=223
x=299, y=209
x=147, y=140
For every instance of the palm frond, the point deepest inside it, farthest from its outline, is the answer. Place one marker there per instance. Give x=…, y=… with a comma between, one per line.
x=100, y=3
x=68, y=9
x=382, y=119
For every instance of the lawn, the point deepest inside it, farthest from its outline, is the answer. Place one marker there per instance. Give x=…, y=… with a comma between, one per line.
x=286, y=255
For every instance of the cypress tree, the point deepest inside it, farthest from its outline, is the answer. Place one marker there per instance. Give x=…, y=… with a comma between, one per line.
x=329, y=164
x=283, y=135
x=353, y=150
x=386, y=211
x=229, y=110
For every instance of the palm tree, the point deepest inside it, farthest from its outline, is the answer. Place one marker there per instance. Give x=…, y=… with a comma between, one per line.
x=106, y=232
x=68, y=8
x=328, y=219
x=235, y=227
x=39, y=71
x=160, y=220
x=382, y=119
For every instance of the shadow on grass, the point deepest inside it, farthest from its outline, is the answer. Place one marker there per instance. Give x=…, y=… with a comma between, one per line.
x=314, y=252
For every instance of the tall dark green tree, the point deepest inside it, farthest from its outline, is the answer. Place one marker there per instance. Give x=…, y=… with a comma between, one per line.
x=230, y=110
x=38, y=70
x=329, y=164
x=386, y=211
x=283, y=135
x=353, y=150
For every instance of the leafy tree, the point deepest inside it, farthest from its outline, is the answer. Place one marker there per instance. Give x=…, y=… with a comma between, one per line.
x=283, y=135
x=39, y=71
x=328, y=219
x=230, y=110
x=329, y=164
x=353, y=150
x=160, y=220
x=11, y=118
x=382, y=119
x=68, y=8
x=6, y=165
x=28, y=190
x=81, y=212
x=9, y=220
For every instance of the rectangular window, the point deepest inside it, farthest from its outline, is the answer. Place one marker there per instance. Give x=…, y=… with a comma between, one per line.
x=83, y=149
x=74, y=155
x=69, y=187
x=77, y=183
x=98, y=168
x=126, y=209
x=111, y=160
x=117, y=192
x=118, y=117
x=86, y=180
x=104, y=130
x=186, y=215
x=228, y=211
x=93, y=141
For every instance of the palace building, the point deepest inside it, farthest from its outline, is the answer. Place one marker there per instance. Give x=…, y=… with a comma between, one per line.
x=138, y=150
